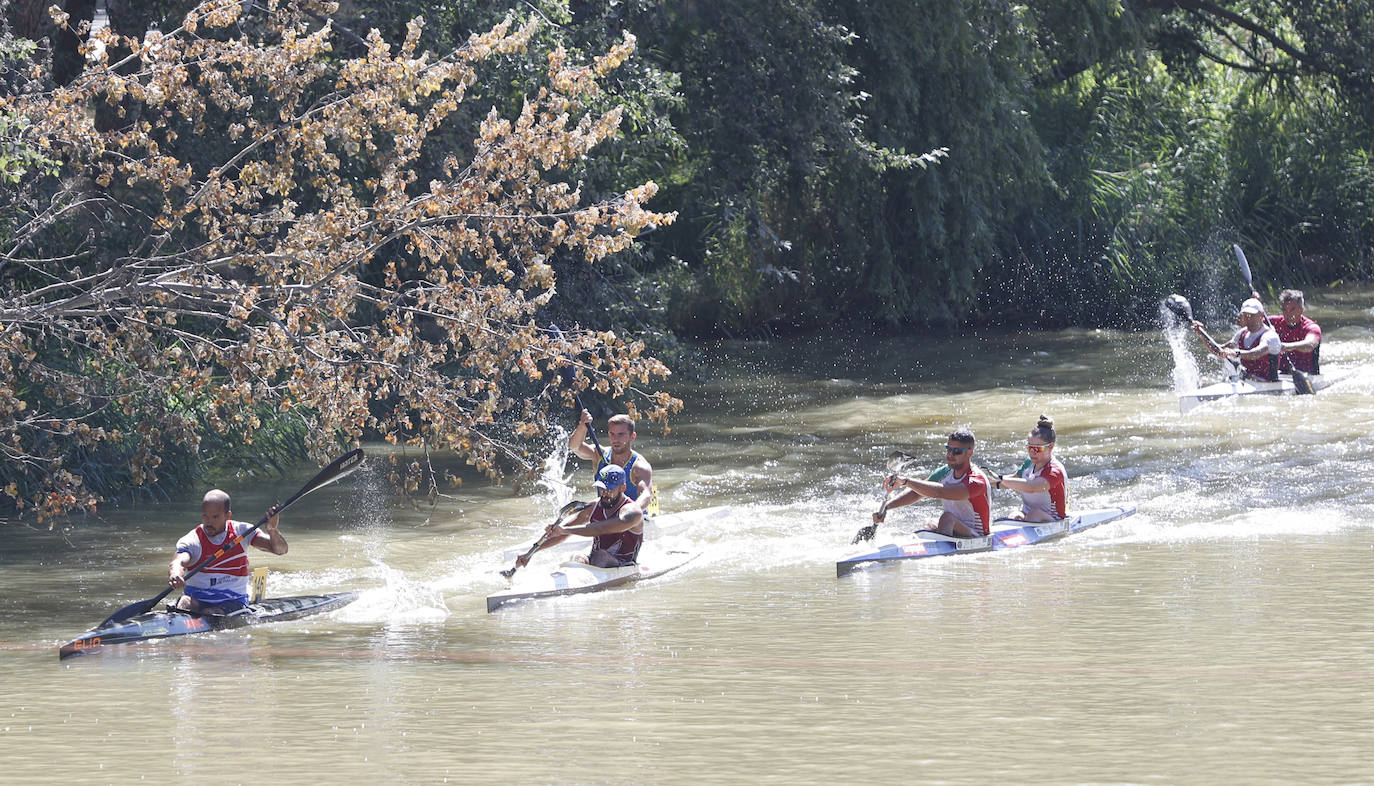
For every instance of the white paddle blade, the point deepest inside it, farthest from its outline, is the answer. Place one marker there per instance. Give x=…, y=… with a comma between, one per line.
x=1244, y=265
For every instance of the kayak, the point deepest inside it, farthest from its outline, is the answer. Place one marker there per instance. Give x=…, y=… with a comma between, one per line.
x=574, y=577
x=1247, y=387
x=655, y=527
x=163, y=624
x=1006, y=534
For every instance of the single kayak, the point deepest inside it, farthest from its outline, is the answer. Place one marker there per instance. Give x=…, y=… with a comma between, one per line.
x=574, y=577
x=1248, y=387
x=162, y=624
x=1006, y=534
x=662, y=526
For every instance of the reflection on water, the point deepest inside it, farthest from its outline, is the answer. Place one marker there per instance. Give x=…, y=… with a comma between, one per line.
x=1211, y=636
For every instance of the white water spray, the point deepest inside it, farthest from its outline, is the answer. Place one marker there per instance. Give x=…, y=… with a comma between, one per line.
x=1186, y=374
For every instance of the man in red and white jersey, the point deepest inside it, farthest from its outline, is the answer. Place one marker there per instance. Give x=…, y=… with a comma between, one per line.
x=221, y=586
x=960, y=484
x=1300, y=337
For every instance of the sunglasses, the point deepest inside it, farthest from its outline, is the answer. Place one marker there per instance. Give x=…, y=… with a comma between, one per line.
x=1038, y=448
x=954, y=450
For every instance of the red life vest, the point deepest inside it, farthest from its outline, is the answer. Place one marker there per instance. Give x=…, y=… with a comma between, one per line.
x=234, y=562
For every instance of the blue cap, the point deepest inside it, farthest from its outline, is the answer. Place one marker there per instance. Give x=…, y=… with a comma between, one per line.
x=611, y=476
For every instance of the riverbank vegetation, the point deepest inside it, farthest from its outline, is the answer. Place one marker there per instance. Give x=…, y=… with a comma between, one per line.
x=242, y=221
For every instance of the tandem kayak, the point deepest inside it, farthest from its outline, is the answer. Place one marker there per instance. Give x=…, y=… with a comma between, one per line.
x=162, y=624
x=1247, y=387
x=573, y=577
x=1006, y=534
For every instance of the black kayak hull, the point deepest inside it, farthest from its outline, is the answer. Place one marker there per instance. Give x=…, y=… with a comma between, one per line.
x=164, y=624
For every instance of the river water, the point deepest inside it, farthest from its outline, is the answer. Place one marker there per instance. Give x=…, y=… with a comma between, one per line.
x=1220, y=634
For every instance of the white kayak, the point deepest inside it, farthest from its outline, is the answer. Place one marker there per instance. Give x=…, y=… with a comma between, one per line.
x=1247, y=387
x=1006, y=534
x=573, y=577
x=655, y=527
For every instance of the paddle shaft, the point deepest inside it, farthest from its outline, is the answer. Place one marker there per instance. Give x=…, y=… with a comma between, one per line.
x=569, y=380
x=1212, y=343
x=539, y=544
x=895, y=462
x=591, y=430
x=337, y=469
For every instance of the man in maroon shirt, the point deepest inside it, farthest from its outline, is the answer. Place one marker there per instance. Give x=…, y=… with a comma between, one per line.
x=1301, y=336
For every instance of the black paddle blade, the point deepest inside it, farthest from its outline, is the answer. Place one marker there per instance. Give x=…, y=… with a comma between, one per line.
x=1180, y=306
x=865, y=533
x=134, y=609
x=337, y=469
x=1302, y=385
x=897, y=459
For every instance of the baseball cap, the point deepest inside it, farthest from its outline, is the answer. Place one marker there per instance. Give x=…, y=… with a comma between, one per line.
x=1251, y=306
x=611, y=476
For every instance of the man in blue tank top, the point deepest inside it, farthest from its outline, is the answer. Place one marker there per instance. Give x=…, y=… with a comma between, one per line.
x=620, y=431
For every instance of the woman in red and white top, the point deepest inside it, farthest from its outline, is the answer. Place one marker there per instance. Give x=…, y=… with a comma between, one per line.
x=1041, y=481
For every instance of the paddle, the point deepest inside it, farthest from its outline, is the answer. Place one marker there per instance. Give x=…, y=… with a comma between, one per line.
x=591, y=430
x=896, y=462
x=337, y=469
x=1183, y=309
x=1301, y=384
x=571, y=507
x=569, y=378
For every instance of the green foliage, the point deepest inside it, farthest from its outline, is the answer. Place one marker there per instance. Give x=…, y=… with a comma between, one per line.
x=1088, y=154
x=1305, y=189
x=776, y=141
x=17, y=158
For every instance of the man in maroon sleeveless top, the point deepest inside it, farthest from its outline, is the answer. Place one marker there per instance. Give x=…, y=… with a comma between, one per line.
x=1300, y=337
x=615, y=523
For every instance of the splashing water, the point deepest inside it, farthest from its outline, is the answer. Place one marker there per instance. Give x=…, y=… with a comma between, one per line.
x=1186, y=374
x=555, y=481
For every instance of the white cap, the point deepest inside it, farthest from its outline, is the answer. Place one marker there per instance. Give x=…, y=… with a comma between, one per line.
x=1251, y=306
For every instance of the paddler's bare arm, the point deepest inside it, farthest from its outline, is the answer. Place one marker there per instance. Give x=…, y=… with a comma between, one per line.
x=642, y=475
x=1017, y=483
x=274, y=542
x=1211, y=343
x=630, y=517
x=577, y=440
x=927, y=488
x=905, y=491
x=557, y=533
x=1252, y=354
x=176, y=572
